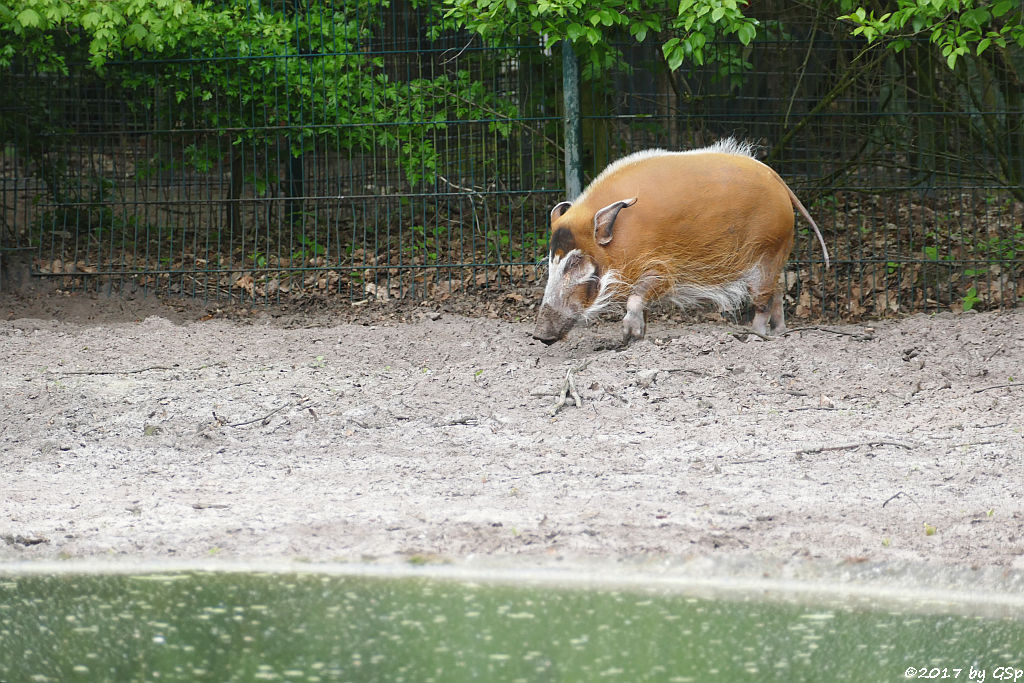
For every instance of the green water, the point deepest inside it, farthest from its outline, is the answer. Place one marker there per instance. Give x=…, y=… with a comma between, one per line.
x=197, y=626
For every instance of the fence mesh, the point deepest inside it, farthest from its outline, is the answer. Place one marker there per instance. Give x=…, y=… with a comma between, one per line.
x=356, y=153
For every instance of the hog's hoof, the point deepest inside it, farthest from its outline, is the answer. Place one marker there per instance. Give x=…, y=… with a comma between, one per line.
x=632, y=329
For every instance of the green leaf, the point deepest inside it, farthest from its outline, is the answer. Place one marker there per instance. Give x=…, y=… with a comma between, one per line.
x=976, y=17
x=1001, y=8
x=717, y=14
x=90, y=20
x=970, y=299
x=674, y=54
x=951, y=59
x=746, y=33
x=983, y=45
x=29, y=18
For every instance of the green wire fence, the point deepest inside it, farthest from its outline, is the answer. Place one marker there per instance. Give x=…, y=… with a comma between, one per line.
x=349, y=150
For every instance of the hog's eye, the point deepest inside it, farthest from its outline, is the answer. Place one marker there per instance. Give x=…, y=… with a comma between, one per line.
x=573, y=261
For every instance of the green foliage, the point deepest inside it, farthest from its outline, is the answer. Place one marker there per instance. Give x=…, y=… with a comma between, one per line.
x=970, y=299
x=310, y=249
x=996, y=247
x=958, y=27
x=111, y=29
x=684, y=27
x=254, y=77
x=427, y=241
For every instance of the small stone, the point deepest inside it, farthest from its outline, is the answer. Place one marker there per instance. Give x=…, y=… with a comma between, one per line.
x=646, y=378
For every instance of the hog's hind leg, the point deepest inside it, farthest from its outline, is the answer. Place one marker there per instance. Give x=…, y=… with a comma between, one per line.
x=768, y=313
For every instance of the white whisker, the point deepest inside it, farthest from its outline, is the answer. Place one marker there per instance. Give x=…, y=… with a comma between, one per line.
x=605, y=294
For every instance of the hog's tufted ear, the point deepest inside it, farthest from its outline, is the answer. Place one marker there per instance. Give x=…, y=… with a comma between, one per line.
x=605, y=219
x=559, y=210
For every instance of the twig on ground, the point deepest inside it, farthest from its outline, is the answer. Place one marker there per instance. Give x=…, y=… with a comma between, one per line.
x=993, y=354
x=134, y=371
x=999, y=386
x=793, y=410
x=973, y=443
x=266, y=418
x=858, y=336
x=568, y=389
x=900, y=494
x=696, y=372
x=847, y=446
x=114, y=372
x=743, y=334
x=456, y=419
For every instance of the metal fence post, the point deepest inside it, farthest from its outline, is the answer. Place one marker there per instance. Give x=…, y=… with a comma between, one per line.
x=571, y=121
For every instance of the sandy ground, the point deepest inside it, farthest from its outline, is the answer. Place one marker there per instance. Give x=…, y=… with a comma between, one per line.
x=139, y=429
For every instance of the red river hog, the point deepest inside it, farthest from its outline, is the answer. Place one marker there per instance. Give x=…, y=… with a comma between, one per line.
x=707, y=225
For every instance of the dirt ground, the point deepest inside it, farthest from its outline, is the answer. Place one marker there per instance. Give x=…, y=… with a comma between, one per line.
x=135, y=428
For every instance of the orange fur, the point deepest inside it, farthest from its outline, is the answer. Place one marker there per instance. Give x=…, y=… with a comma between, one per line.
x=710, y=225
x=703, y=219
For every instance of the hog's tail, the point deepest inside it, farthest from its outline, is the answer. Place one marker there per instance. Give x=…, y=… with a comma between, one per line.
x=805, y=214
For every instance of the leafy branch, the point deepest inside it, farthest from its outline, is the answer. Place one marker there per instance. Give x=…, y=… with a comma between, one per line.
x=958, y=27
x=592, y=25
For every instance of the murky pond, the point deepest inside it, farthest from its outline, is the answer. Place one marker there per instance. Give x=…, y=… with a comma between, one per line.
x=234, y=626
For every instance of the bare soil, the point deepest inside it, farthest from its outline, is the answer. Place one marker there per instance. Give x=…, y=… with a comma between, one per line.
x=147, y=429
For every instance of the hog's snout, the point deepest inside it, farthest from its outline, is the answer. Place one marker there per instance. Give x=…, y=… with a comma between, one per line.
x=547, y=340
x=552, y=325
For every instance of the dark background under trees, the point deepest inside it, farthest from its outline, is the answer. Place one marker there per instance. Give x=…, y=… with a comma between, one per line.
x=287, y=150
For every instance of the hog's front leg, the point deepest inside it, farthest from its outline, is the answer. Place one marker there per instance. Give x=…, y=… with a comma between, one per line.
x=633, y=324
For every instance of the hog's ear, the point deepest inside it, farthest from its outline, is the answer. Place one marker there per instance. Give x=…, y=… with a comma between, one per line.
x=559, y=209
x=605, y=219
